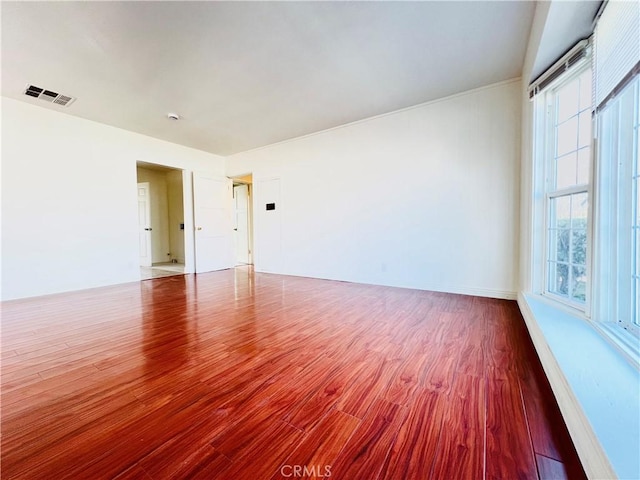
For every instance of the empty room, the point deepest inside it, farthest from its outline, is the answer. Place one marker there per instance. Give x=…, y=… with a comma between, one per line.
x=334, y=239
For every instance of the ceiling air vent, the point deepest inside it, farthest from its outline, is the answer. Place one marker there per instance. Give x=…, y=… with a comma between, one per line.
x=48, y=95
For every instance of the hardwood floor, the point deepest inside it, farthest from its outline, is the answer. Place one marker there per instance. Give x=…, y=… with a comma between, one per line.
x=232, y=375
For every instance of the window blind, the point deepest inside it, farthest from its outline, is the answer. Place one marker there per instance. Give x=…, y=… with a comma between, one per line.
x=616, y=47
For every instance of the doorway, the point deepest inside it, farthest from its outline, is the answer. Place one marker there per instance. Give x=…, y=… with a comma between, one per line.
x=160, y=221
x=242, y=218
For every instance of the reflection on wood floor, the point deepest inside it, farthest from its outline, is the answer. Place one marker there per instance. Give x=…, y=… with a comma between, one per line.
x=236, y=375
x=161, y=270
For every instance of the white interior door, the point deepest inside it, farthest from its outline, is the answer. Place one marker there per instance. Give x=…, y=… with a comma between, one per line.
x=144, y=224
x=212, y=213
x=241, y=228
x=268, y=235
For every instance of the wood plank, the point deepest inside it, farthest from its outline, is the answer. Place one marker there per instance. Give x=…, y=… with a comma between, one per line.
x=251, y=456
x=407, y=378
x=318, y=450
x=364, y=455
x=179, y=459
x=509, y=452
x=461, y=448
x=357, y=400
x=414, y=450
x=544, y=420
x=306, y=414
x=134, y=473
x=253, y=433
x=550, y=469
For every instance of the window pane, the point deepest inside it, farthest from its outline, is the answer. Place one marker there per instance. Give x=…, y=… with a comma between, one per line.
x=579, y=210
x=636, y=254
x=567, y=254
x=636, y=188
x=579, y=246
x=584, y=137
x=566, y=171
x=637, y=166
x=638, y=201
x=560, y=211
x=567, y=101
x=579, y=283
x=637, y=319
x=567, y=137
x=584, y=162
x=560, y=245
x=638, y=251
x=585, y=90
x=559, y=281
x=638, y=152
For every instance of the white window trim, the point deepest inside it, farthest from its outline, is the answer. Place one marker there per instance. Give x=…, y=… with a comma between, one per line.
x=543, y=152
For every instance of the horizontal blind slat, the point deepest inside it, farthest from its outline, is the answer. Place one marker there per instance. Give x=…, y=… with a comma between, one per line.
x=617, y=45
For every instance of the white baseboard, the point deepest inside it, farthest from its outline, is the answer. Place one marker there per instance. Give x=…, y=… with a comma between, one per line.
x=476, y=292
x=460, y=290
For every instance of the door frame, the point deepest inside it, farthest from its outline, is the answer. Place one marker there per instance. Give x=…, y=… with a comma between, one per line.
x=187, y=206
x=247, y=179
x=148, y=234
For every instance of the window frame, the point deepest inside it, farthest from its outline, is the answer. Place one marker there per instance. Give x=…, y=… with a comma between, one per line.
x=605, y=304
x=607, y=242
x=635, y=209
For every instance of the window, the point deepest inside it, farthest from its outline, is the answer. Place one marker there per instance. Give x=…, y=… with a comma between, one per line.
x=615, y=251
x=618, y=247
x=568, y=169
x=585, y=223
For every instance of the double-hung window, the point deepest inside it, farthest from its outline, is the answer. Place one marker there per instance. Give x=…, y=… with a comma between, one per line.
x=568, y=171
x=617, y=231
x=585, y=250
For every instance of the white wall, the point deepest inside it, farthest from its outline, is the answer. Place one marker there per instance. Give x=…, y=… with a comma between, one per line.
x=69, y=218
x=424, y=198
x=158, y=196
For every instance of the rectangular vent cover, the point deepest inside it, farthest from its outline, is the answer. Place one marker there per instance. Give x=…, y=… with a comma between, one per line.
x=48, y=95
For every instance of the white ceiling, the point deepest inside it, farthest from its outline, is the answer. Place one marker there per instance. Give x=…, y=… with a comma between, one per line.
x=248, y=74
x=566, y=24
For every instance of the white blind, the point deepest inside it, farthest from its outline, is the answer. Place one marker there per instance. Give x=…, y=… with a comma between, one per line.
x=616, y=45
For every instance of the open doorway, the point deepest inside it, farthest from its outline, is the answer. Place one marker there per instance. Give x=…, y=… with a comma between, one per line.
x=242, y=218
x=160, y=221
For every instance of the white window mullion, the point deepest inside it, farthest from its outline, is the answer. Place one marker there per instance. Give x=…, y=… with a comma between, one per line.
x=569, y=191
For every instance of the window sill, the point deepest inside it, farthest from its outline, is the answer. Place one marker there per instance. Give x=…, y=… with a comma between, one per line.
x=596, y=387
x=627, y=344
x=561, y=303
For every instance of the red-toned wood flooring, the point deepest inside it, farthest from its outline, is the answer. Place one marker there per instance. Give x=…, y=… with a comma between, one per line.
x=236, y=375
